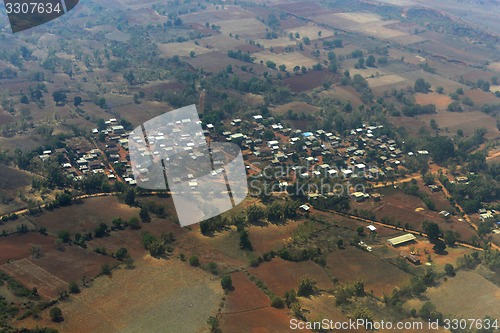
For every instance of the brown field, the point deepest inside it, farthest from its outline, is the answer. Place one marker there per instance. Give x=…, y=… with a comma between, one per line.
x=280, y=275
x=5, y=117
x=440, y=101
x=481, y=97
x=17, y=246
x=378, y=276
x=483, y=297
x=304, y=8
x=494, y=66
x=86, y=216
x=221, y=43
x=212, y=13
x=343, y=93
x=30, y=275
x=308, y=81
x=267, y=320
x=278, y=42
x=216, y=61
x=161, y=296
x=181, y=49
x=466, y=121
x=246, y=296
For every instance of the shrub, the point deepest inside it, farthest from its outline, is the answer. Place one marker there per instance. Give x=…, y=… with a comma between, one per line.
x=194, y=261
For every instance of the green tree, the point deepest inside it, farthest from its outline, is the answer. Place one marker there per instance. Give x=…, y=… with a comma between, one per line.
x=56, y=315
x=421, y=86
x=226, y=283
x=307, y=287
x=77, y=101
x=432, y=230
x=59, y=97
x=121, y=253
x=194, y=261
x=74, y=288
x=449, y=270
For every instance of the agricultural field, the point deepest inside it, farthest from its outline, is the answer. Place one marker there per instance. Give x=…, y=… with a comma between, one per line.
x=160, y=296
x=440, y=101
x=290, y=60
x=280, y=276
x=245, y=297
x=85, y=216
x=378, y=276
x=483, y=296
x=181, y=49
x=272, y=237
x=18, y=246
x=267, y=320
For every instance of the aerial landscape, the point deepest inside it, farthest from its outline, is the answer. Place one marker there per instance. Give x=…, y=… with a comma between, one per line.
x=251, y=166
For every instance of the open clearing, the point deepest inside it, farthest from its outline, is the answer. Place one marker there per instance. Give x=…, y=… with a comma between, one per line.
x=379, y=276
x=245, y=27
x=272, y=237
x=385, y=80
x=483, y=297
x=281, y=276
x=494, y=66
x=267, y=320
x=297, y=107
x=156, y=296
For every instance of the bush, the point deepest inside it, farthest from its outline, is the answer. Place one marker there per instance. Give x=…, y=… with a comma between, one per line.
x=307, y=287
x=449, y=270
x=194, y=261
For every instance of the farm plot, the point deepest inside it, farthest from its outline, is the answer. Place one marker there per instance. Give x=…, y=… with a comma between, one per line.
x=272, y=237
x=18, y=246
x=181, y=49
x=494, y=66
x=468, y=122
x=32, y=276
x=386, y=81
x=161, y=296
x=268, y=320
x=298, y=107
x=246, y=295
x=440, y=101
x=280, y=275
x=307, y=81
x=245, y=27
x=86, y=216
x=290, y=60
x=278, y=42
x=483, y=297
x=213, y=13
x=221, y=43
x=354, y=264
x=312, y=31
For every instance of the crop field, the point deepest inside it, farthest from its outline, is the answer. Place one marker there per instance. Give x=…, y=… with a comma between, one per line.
x=303, y=8
x=86, y=216
x=277, y=42
x=310, y=30
x=17, y=246
x=345, y=93
x=483, y=296
x=481, y=97
x=159, y=296
x=272, y=237
x=216, y=61
x=280, y=275
x=468, y=122
x=377, y=275
x=245, y=27
x=387, y=81
x=181, y=49
x=307, y=81
x=494, y=66
x=30, y=275
x=440, y=101
x=290, y=60
x=220, y=43
x=246, y=295
x=267, y=320
x=297, y=107
x=213, y=13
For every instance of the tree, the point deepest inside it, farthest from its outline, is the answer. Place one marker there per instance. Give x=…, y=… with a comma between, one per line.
x=245, y=243
x=307, y=287
x=64, y=236
x=77, y=101
x=254, y=214
x=282, y=67
x=133, y=223
x=432, y=230
x=144, y=215
x=439, y=246
x=421, y=86
x=213, y=322
x=370, y=62
x=59, y=97
x=271, y=64
x=74, y=288
x=306, y=40
x=278, y=303
x=194, y=261
x=450, y=238
x=56, y=315
x=360, y=230
x=105, y=269
x=434, y=124
x=226, y=283
x=130, y=197
x=24, y=99
x=449, y=270
x=192, y=54
x=121, y=253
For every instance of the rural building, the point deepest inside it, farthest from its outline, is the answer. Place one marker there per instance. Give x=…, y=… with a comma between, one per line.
x=411, y=258
x=396, y=241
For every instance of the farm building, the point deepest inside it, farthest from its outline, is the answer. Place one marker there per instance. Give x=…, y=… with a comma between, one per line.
x=401, y=239
x=411, y=258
